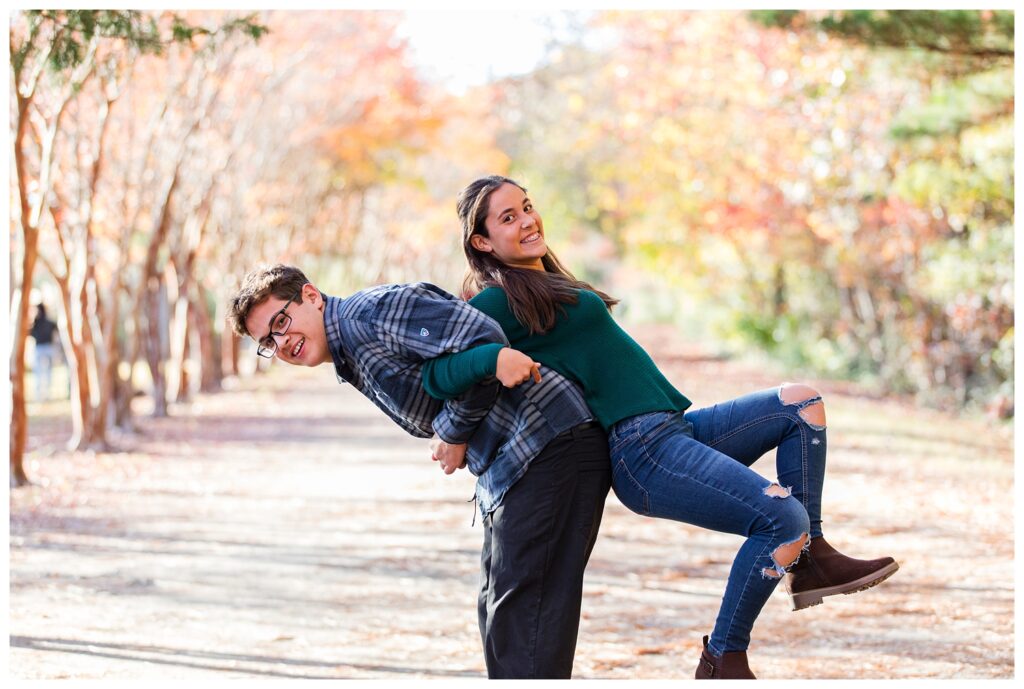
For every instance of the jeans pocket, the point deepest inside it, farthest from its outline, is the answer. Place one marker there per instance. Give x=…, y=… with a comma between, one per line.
x=629, y=491
x=623, y=429
x=655, y=422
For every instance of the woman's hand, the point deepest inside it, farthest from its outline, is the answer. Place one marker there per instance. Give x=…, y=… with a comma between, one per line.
x=514, y=368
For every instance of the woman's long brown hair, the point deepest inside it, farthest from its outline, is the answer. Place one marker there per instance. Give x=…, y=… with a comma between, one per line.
x=536, y=297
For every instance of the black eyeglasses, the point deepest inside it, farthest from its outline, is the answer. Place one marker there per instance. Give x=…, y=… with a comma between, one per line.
x=279, y=325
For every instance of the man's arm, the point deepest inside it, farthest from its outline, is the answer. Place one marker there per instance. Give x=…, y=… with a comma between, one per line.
x=449, y=457
x=459, y=418
x=420, y=322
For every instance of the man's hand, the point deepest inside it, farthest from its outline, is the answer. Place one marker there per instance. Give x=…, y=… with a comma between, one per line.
x=514, y=368
x=451, y=457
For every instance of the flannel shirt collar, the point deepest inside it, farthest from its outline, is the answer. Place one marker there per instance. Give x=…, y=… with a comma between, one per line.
x=335, y=340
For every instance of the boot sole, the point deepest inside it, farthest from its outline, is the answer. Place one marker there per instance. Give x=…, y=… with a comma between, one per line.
x=807, y=599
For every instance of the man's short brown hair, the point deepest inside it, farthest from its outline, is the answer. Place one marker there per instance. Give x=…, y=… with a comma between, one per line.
x=261, y=283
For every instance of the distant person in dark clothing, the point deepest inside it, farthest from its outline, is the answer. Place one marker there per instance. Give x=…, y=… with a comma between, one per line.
x=44, y=332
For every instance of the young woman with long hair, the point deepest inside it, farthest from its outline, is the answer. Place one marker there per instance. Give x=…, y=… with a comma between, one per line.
x=668, y=461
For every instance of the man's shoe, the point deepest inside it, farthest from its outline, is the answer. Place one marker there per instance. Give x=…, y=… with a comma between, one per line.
x=824, y=571
x=731, y=665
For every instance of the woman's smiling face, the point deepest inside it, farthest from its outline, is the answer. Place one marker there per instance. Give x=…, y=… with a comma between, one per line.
x=514, y=228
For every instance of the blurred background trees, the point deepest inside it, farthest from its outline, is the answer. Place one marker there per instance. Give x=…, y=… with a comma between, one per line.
x=835, y=188
x=832, y=188
x=945, y=292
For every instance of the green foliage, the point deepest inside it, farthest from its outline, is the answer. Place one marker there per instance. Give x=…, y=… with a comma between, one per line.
x=956, y=105
x=73, y=29
x=70, y=31
x=972, y=33
x=183, y=32
x=971, y=265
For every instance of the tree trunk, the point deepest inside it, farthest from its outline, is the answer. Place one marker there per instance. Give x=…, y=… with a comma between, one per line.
x=107, y=366
x=179, y=334
x=152, y=342
x=124, y=387
x=229, y=348
x=78, y=374
x=19, y=414
x=122, y=402
x=96, y=338
x=185, y=380
x=779, y=305
x=30, y=212
x=210, y=371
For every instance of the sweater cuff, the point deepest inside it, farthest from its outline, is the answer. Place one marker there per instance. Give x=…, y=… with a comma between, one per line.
x=484, y=359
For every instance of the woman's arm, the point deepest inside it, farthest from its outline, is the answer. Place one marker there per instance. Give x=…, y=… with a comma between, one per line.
x=448, y=376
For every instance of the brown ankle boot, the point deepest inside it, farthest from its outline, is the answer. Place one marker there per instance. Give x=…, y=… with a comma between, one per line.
x=824, y=571
x=731, y=665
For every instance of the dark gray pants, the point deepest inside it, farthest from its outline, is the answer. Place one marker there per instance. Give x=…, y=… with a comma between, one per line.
x=536, y=546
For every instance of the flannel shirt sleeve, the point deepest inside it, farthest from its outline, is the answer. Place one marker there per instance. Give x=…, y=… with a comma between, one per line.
x=459, y=418
x=421, y=322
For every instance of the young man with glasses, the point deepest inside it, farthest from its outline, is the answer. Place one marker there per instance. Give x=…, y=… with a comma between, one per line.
x=540, y=459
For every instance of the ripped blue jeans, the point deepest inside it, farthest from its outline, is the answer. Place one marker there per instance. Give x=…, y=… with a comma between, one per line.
x=694, y=468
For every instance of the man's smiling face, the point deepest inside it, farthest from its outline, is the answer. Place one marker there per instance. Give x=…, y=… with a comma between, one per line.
x=298, y=327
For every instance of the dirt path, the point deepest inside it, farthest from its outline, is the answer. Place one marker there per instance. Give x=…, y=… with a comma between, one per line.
x=286, y=529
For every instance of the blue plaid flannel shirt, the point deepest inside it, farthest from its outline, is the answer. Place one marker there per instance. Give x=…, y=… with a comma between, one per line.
x=380, y=337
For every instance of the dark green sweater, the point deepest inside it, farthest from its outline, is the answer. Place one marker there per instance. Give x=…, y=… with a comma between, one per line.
x=618, y=377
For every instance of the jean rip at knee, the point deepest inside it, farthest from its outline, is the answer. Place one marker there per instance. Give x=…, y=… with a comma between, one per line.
x=784, y=556
x=808, y=403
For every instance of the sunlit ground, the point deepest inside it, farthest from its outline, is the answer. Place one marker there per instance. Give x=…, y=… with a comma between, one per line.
x=285, y=528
